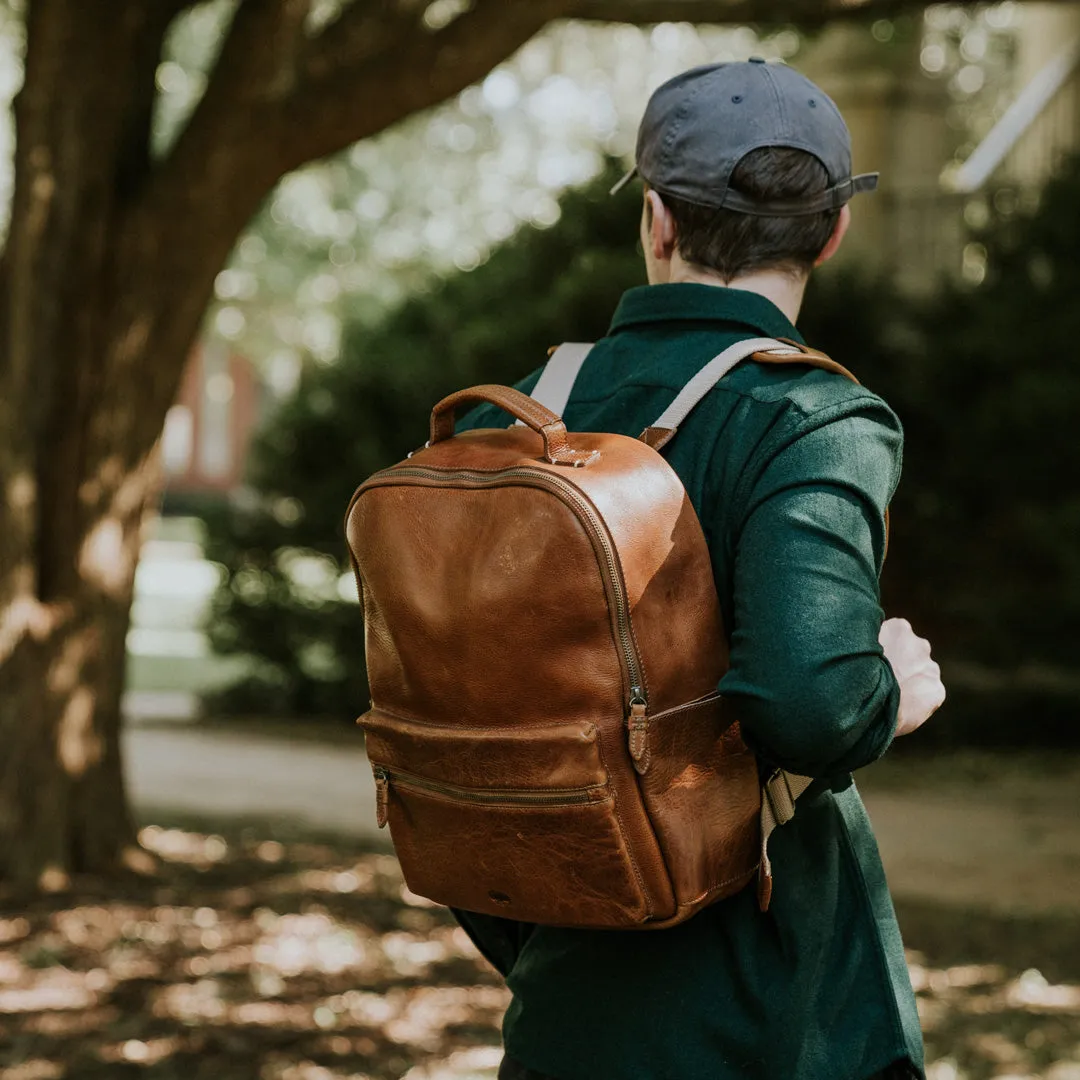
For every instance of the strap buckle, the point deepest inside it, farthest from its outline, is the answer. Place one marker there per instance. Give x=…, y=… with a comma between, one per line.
x=781, y=797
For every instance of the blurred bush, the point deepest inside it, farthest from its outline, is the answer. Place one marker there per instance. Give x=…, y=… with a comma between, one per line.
x=984, y=556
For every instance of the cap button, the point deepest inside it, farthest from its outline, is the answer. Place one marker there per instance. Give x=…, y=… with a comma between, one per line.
x=757, y=59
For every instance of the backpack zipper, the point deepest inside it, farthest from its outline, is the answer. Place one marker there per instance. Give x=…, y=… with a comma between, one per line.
x=569, y=494
x=488, y=796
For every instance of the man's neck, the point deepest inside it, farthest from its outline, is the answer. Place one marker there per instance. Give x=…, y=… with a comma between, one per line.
x=785, y=291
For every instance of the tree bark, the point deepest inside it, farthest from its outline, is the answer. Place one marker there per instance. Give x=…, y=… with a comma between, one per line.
x=807, y=14
x=76, y=477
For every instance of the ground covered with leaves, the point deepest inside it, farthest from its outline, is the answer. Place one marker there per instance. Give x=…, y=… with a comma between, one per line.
x=265, y=955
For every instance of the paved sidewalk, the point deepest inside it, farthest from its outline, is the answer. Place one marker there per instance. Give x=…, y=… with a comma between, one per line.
x=1009, y=844
x=228, y=774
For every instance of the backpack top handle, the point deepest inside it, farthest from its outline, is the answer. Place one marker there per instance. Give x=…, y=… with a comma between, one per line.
x=557, y=449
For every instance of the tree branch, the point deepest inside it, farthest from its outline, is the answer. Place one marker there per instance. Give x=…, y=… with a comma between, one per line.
x=258, y=63
x=352, y=101
x=361, y=32
x=209, y=184
x=133, y=160
x=807, y=14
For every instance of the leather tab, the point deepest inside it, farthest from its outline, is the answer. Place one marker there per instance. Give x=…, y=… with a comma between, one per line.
x=811, y=357
x=657, y=437
x=764, y=888
x=638, y=725
x=382, y=798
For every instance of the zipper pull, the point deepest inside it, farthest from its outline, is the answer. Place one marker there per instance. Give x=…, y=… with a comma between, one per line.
x=638, y=729
x=382, y=796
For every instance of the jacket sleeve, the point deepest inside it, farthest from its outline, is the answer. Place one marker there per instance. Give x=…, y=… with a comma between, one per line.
x=812, y=689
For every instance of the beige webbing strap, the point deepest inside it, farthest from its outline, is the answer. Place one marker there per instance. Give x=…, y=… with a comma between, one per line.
x=777, y=808
x=557, y=379
x=711, y=374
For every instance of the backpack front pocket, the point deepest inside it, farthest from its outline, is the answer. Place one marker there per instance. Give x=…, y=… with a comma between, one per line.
x=505, y=821
x=704, y=799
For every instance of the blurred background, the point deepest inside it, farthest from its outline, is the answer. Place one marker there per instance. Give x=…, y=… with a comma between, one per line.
x=248, y=246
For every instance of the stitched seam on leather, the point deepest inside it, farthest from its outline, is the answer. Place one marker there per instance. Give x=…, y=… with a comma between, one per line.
x=392, y=476
x=697, y=703
x=471, y=727
x=622, y=832
x=720, y=885
x=443, y=796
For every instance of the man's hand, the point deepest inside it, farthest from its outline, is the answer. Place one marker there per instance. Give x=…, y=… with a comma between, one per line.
x=921, y=688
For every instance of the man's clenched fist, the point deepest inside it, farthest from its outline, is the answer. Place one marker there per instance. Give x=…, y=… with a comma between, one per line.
x=921, y=688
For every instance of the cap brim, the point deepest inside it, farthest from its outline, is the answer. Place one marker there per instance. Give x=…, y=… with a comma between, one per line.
x=624, y=181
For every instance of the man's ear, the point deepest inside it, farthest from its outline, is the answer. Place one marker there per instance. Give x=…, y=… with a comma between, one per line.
x=661, y=228
x=834, y=241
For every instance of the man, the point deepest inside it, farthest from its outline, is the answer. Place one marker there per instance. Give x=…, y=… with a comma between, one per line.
x=747, y=174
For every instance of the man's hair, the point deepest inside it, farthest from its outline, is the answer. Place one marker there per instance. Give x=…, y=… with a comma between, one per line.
x=731, y=244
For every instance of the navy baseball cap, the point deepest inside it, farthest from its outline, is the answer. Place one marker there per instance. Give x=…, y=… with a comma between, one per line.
x=699, y=125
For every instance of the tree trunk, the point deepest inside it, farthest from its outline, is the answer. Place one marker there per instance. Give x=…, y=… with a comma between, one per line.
x=94, y=346
x=62, y=806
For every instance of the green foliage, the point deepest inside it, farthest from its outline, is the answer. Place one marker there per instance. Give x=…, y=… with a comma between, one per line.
x=988, y=512
x=984, y=558
x=997, y=450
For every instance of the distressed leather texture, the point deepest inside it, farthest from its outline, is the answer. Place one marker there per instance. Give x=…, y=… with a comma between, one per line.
x=699, y=792
x=526, y=594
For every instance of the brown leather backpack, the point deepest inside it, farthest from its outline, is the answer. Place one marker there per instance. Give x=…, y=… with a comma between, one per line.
x=544, y=644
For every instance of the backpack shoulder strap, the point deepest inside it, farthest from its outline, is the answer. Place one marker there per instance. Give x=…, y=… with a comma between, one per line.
x=763, y=350
x=663, y=430
x=558, y=377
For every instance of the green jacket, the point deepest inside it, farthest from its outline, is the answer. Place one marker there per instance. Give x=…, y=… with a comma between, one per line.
x=790, y=469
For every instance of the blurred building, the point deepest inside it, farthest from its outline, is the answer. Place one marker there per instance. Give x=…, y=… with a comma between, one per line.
x=933, y=191
x=203, y=449
x=208, y=431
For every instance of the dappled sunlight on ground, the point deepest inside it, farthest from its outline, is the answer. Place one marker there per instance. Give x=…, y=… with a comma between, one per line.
x=256, y=956
x=245, y=957
x=987, y=1022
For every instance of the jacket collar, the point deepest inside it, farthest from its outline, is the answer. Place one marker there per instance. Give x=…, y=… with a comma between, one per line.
x=692, y=302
